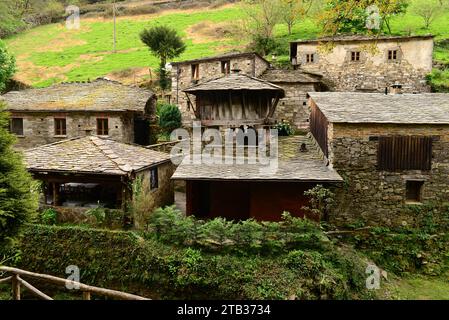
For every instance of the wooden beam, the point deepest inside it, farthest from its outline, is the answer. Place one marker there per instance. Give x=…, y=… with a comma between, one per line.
x=62, y=282
x=15, y=287
x=8, y=279
x=34, y=290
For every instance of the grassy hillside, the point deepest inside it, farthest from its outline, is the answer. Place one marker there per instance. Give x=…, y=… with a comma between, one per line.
x=51, y=53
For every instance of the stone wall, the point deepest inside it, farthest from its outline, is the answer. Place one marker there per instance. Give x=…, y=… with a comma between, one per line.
x=164, y=195
x=38, y=128
x=378, y=197
x=208, y=69
x=293, y=107
x=373, y=71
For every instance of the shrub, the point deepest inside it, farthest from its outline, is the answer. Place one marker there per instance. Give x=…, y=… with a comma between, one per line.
x=284, y=129
x=170, y=117
x=49, y=216
x=142, y=204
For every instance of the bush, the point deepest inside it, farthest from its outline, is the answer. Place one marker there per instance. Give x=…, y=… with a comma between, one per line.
x=49, y=216
x=284, y=129
x=124, y=261
x=170, y=117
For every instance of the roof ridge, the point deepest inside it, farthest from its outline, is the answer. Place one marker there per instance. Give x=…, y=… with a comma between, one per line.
x=108, y=152
x=55, y=143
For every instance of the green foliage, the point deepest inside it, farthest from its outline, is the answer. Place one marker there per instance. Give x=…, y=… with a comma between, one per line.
x=49, y=216
x=439, y=80
x=166, y=44
x=7, y=66
x=284, y=128
x=170, y=117
x=125, y=261
x=142, y=204
x=246, y=237
x=18, y=196
x=420, y=247
x=320, y=201
x=99, y=214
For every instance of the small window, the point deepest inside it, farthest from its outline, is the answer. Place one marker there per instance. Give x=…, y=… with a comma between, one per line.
x=310, y=58
x=414, y=191
x=154, y=178
x=195, y=71
x=17, y=126
x=355, y=56
x=393, y=55
x=226, y=67
x=60, y=127
x=102, y=127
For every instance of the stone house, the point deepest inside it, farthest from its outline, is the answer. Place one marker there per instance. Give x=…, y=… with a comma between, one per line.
x=102, y=108
x=295, y=83
x=392, y=150
x=88, y=172
x=366, y=63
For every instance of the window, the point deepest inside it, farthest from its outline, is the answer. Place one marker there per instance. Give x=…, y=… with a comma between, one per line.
x=102, y=127
x=310, y=58
x=60, y=127
x=393, y=55
x=355, y=56
x=17, y=126
x=414, y=191
x=154, y=178
x=405, y=153
x=226, y=67
x=195, y=71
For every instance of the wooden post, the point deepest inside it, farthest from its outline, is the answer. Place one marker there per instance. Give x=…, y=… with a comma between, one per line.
x=86, y=295
x=15, y=287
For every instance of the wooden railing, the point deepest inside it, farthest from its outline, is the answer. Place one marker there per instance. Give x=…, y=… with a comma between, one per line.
x=17, y=275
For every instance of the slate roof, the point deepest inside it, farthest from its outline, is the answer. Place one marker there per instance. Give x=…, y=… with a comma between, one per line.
x=351, y=107
x=235, y=82
x=92, y=155
x=99, y=95
x=228, y=55
x=290, y=76
x=358, y=37
x=294, y=166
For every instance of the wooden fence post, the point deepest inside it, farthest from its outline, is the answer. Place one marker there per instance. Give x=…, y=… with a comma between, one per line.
x=15, y=287
x=86, y=295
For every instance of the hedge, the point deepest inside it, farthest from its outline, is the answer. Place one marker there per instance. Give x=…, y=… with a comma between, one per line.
x=126, y=261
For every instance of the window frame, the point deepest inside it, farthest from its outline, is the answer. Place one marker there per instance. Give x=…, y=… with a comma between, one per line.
x=101, y=130
x=195, y=68
x=154, y=178
x=393, y=55
x=417, y=186
x=62, y=130
x=355, y=56
x=22, y=134
x=310, y=58
x=225, y=67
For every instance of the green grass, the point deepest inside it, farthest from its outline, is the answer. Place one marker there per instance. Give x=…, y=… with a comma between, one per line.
x=421, y=288
x=95, y=40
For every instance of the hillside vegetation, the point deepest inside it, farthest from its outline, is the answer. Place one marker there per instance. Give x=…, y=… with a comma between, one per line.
x=52, y=53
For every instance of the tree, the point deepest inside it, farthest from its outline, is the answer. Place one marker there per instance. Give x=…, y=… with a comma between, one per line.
x=166, y=44
x=359, y=16
x=261, y=16
x=292, y=10
x=18, y=197
x=429, y=10
x=170, y=117
x=7, y=66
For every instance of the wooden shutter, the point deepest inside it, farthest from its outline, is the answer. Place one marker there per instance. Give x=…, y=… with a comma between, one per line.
x=405, y=153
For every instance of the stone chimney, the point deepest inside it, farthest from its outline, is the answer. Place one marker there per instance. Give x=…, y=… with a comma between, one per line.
x=396, y=89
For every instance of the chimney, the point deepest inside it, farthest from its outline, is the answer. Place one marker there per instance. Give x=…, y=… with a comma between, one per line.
x=396, y=89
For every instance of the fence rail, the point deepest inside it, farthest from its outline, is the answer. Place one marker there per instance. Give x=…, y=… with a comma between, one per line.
x=17, y=282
